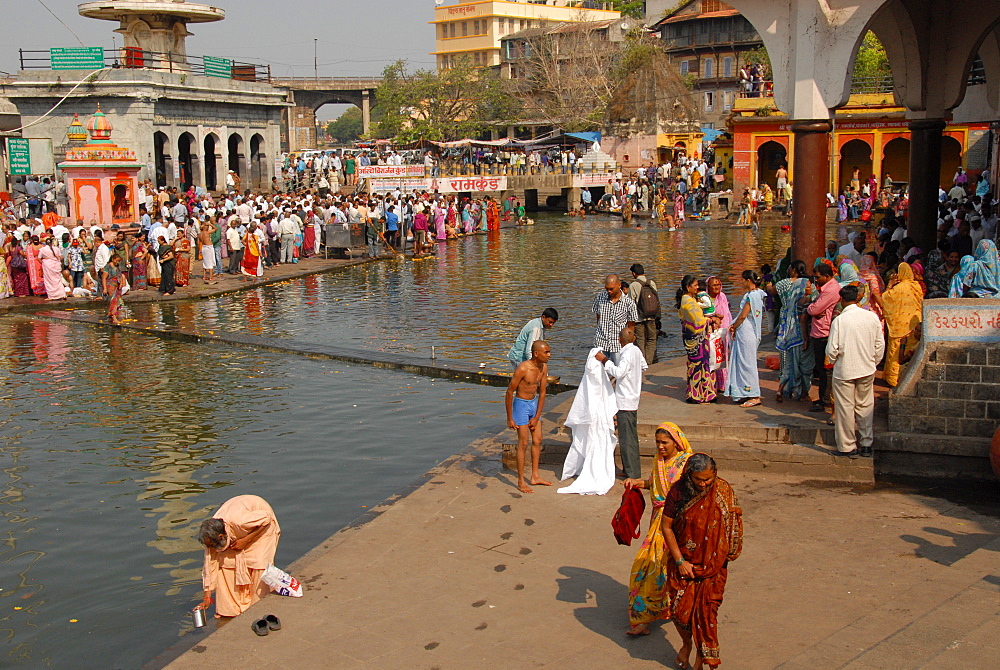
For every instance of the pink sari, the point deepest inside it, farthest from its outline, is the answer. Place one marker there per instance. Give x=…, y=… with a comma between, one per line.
x=722, y=309
x=51, y=262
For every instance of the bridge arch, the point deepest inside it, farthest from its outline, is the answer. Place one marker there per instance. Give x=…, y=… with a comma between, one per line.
x=310, y=93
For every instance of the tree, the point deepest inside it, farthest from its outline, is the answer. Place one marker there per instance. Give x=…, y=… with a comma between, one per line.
x=634, y=8
x=347, y=127
x=565, y=76
x=872, y=73
x=462, y=101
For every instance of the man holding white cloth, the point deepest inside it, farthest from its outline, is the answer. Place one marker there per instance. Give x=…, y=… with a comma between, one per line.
x=628, y=387
x=855, y=347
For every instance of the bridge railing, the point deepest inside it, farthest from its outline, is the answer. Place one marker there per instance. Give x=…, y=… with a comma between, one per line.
x=134, y=58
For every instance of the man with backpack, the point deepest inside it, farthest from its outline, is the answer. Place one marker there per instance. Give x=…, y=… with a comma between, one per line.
x=647, y=301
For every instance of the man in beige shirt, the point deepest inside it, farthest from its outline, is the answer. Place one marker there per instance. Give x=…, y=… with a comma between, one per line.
x=855, y=347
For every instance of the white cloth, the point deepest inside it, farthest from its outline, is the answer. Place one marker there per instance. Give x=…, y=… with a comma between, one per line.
x=591, y=457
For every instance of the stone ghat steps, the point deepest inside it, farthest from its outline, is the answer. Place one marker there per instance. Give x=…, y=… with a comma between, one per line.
x=750, y=432
x=936, y=456
x=745, y=455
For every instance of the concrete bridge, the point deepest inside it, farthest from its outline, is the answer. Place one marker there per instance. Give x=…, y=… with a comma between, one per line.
x=311, y=93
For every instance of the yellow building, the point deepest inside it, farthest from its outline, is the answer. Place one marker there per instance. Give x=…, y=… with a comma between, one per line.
x=474, y=29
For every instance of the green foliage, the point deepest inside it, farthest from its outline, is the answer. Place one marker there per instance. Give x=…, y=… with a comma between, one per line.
x=871, y=63
x=347, y=127
x=759, y=56
x=463, y=101
x=690, y=79
x=634, y=8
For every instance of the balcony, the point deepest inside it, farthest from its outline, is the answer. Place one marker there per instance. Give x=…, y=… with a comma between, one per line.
x=133, y=58
x=710, y=40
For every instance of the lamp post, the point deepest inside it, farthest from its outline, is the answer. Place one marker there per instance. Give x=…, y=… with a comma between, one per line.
x=315, y=58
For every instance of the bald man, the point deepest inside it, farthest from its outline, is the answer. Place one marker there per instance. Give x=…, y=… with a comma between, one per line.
x=525, y=401
x=614, y=310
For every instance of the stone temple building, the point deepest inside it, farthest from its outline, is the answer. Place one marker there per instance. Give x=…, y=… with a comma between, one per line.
x=189, y=119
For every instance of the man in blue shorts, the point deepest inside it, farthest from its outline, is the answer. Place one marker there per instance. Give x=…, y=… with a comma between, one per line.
x=525, y=401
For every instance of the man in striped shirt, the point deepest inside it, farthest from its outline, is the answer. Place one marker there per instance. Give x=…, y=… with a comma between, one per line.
x=614, y=310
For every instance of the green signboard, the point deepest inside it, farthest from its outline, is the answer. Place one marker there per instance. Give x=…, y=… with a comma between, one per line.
x=18, y=155
x=81, y=58
x=218, y=67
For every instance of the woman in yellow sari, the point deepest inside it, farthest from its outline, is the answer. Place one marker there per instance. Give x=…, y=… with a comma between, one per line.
x=903, y=306
x=648, y=599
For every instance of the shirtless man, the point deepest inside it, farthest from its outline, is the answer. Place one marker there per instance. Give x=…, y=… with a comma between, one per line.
x=525, y=401
x=207, y=251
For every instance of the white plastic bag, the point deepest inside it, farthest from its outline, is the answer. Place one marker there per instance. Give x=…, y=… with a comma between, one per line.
x=281, y=582
x=716, y=350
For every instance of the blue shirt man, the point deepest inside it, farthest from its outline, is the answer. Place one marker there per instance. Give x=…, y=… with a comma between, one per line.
x=585, y=196
x=391, y=220
x=533, y=330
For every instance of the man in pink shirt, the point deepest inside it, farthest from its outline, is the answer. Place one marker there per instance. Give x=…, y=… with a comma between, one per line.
x=821, y=311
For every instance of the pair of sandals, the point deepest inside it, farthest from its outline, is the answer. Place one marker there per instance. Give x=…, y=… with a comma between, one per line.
x=267, y=624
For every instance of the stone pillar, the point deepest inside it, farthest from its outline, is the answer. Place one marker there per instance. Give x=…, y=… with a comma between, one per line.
x=811, y=149
x=531, y=199
x=197, y=168
x=925, y=176
x=366, y=112
x=572, y=197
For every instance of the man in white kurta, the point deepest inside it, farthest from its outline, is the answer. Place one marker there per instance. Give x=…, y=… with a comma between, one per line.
x=591, y=457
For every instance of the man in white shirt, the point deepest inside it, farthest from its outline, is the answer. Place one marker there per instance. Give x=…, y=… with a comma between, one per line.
x=628, y=387
x=235, y=243
x=855, y=347
x=855, y=248
x=102, y=254
x=287, y=229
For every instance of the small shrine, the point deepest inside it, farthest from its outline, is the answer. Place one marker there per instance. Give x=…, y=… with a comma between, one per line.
x=102, y=179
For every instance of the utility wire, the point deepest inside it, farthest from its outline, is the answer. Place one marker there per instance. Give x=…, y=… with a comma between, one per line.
x=54, y=107
x=61, y=21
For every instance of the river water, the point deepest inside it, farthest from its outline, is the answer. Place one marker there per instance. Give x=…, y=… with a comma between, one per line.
x=116, y=445
x=470, y=301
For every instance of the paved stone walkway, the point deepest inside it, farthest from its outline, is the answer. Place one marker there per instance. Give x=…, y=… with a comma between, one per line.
x=466, y=572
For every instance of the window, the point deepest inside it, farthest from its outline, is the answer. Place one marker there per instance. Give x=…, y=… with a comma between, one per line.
x=465, y=28
x=475, y=58
x=727, y=66
x=444, y=31
x=727, y=100
x=522, y=24
x=451, y=30
x=684, y=68
x=711, y=5
x=475, y=27
x=500, y=27
x=709, y=101
x=709, y=68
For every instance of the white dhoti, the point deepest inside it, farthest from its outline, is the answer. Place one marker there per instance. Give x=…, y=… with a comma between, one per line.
x=591, y=457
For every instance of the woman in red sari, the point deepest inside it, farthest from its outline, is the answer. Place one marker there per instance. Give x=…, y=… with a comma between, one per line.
x=251, y=265
x=17, y=266
x=703, y=527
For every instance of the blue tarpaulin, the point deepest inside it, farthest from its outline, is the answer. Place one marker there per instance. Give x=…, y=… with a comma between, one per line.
x=711, y=134
x=589, y=137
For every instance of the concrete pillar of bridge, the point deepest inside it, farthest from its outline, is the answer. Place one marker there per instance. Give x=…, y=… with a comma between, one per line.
x=366, y=112
x=531, y=199
x=572, y=197
x=925, y=177
x=811, y=150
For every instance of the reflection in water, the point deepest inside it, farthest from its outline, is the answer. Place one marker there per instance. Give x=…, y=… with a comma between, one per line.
x=115, y=446
x=473, y=297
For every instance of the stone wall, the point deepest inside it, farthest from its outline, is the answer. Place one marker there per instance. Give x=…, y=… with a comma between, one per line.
x=942, y=415
x=957, y=394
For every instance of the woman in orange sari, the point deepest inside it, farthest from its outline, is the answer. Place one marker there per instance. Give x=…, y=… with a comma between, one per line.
x=703, y=528
x=492, y=215
x=182, y=252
